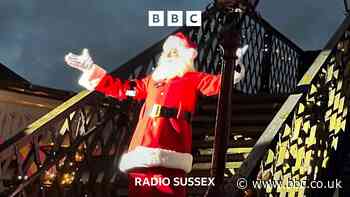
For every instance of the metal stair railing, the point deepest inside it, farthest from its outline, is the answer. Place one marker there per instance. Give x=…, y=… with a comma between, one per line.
x=57, y=154
x=297, y=148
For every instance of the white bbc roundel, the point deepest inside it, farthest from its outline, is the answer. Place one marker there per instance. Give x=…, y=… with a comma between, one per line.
x=156, y=18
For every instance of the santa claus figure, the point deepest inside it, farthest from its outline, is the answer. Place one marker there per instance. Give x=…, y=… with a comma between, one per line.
x=160, y=149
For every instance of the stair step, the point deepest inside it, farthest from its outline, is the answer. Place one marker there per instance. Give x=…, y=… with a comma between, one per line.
x=241, y=150
x=207, y=165
x=233, y=144
x=242, y=99
x=199, y=173
x=248, y=131
x=210, y=124
x=241, y=108
x=206, y=172
x=196, y=191
x=235, y=119
x=229, y=158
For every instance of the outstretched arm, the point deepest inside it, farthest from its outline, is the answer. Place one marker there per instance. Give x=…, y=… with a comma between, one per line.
x=96, y=78
x=209, y=84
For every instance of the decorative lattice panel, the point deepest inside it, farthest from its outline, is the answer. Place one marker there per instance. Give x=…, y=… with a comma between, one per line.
x=306, y=142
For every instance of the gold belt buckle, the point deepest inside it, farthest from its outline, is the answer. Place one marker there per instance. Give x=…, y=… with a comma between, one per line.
x=155, y=110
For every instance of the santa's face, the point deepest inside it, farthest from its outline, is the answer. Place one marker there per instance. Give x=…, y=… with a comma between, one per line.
x=173, y=62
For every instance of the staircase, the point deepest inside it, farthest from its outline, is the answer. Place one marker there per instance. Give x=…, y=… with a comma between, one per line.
x=250, y=116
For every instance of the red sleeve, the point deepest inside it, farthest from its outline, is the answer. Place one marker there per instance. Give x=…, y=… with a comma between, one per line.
x=114, y=87
x=209, y=84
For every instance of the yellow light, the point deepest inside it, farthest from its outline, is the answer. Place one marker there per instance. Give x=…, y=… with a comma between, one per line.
x=68, y=178
x=49, y=177
x=79, y=157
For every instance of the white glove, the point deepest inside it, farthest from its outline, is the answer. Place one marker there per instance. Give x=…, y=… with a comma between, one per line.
x=82, y=62
x=240, y=54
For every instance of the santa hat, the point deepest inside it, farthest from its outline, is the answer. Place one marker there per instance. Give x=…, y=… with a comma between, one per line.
x=182, y=43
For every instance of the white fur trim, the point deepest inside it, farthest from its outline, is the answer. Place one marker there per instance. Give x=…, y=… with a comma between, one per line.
x=90, y=78
x=146, y=157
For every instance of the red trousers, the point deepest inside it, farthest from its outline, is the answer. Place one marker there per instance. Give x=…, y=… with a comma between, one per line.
x=154, y=182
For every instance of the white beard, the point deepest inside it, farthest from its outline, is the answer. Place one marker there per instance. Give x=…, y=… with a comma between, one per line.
x=168, y=68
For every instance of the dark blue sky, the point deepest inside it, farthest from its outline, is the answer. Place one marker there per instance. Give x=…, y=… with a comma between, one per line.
x=36, y=34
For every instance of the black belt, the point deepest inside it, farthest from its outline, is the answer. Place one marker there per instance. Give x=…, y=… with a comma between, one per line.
x=160, y=111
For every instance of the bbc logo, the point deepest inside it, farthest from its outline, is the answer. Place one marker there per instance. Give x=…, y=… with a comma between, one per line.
x=174, y=18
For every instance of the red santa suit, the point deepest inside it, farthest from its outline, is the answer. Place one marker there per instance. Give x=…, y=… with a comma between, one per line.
x=161, y=145
x=158, y=141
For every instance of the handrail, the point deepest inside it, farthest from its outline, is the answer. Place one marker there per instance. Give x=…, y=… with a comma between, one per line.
x=309, y=124
x=36, y=128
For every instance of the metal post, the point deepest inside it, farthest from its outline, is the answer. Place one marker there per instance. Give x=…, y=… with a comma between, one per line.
x=266, y=63
x=223, y=120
